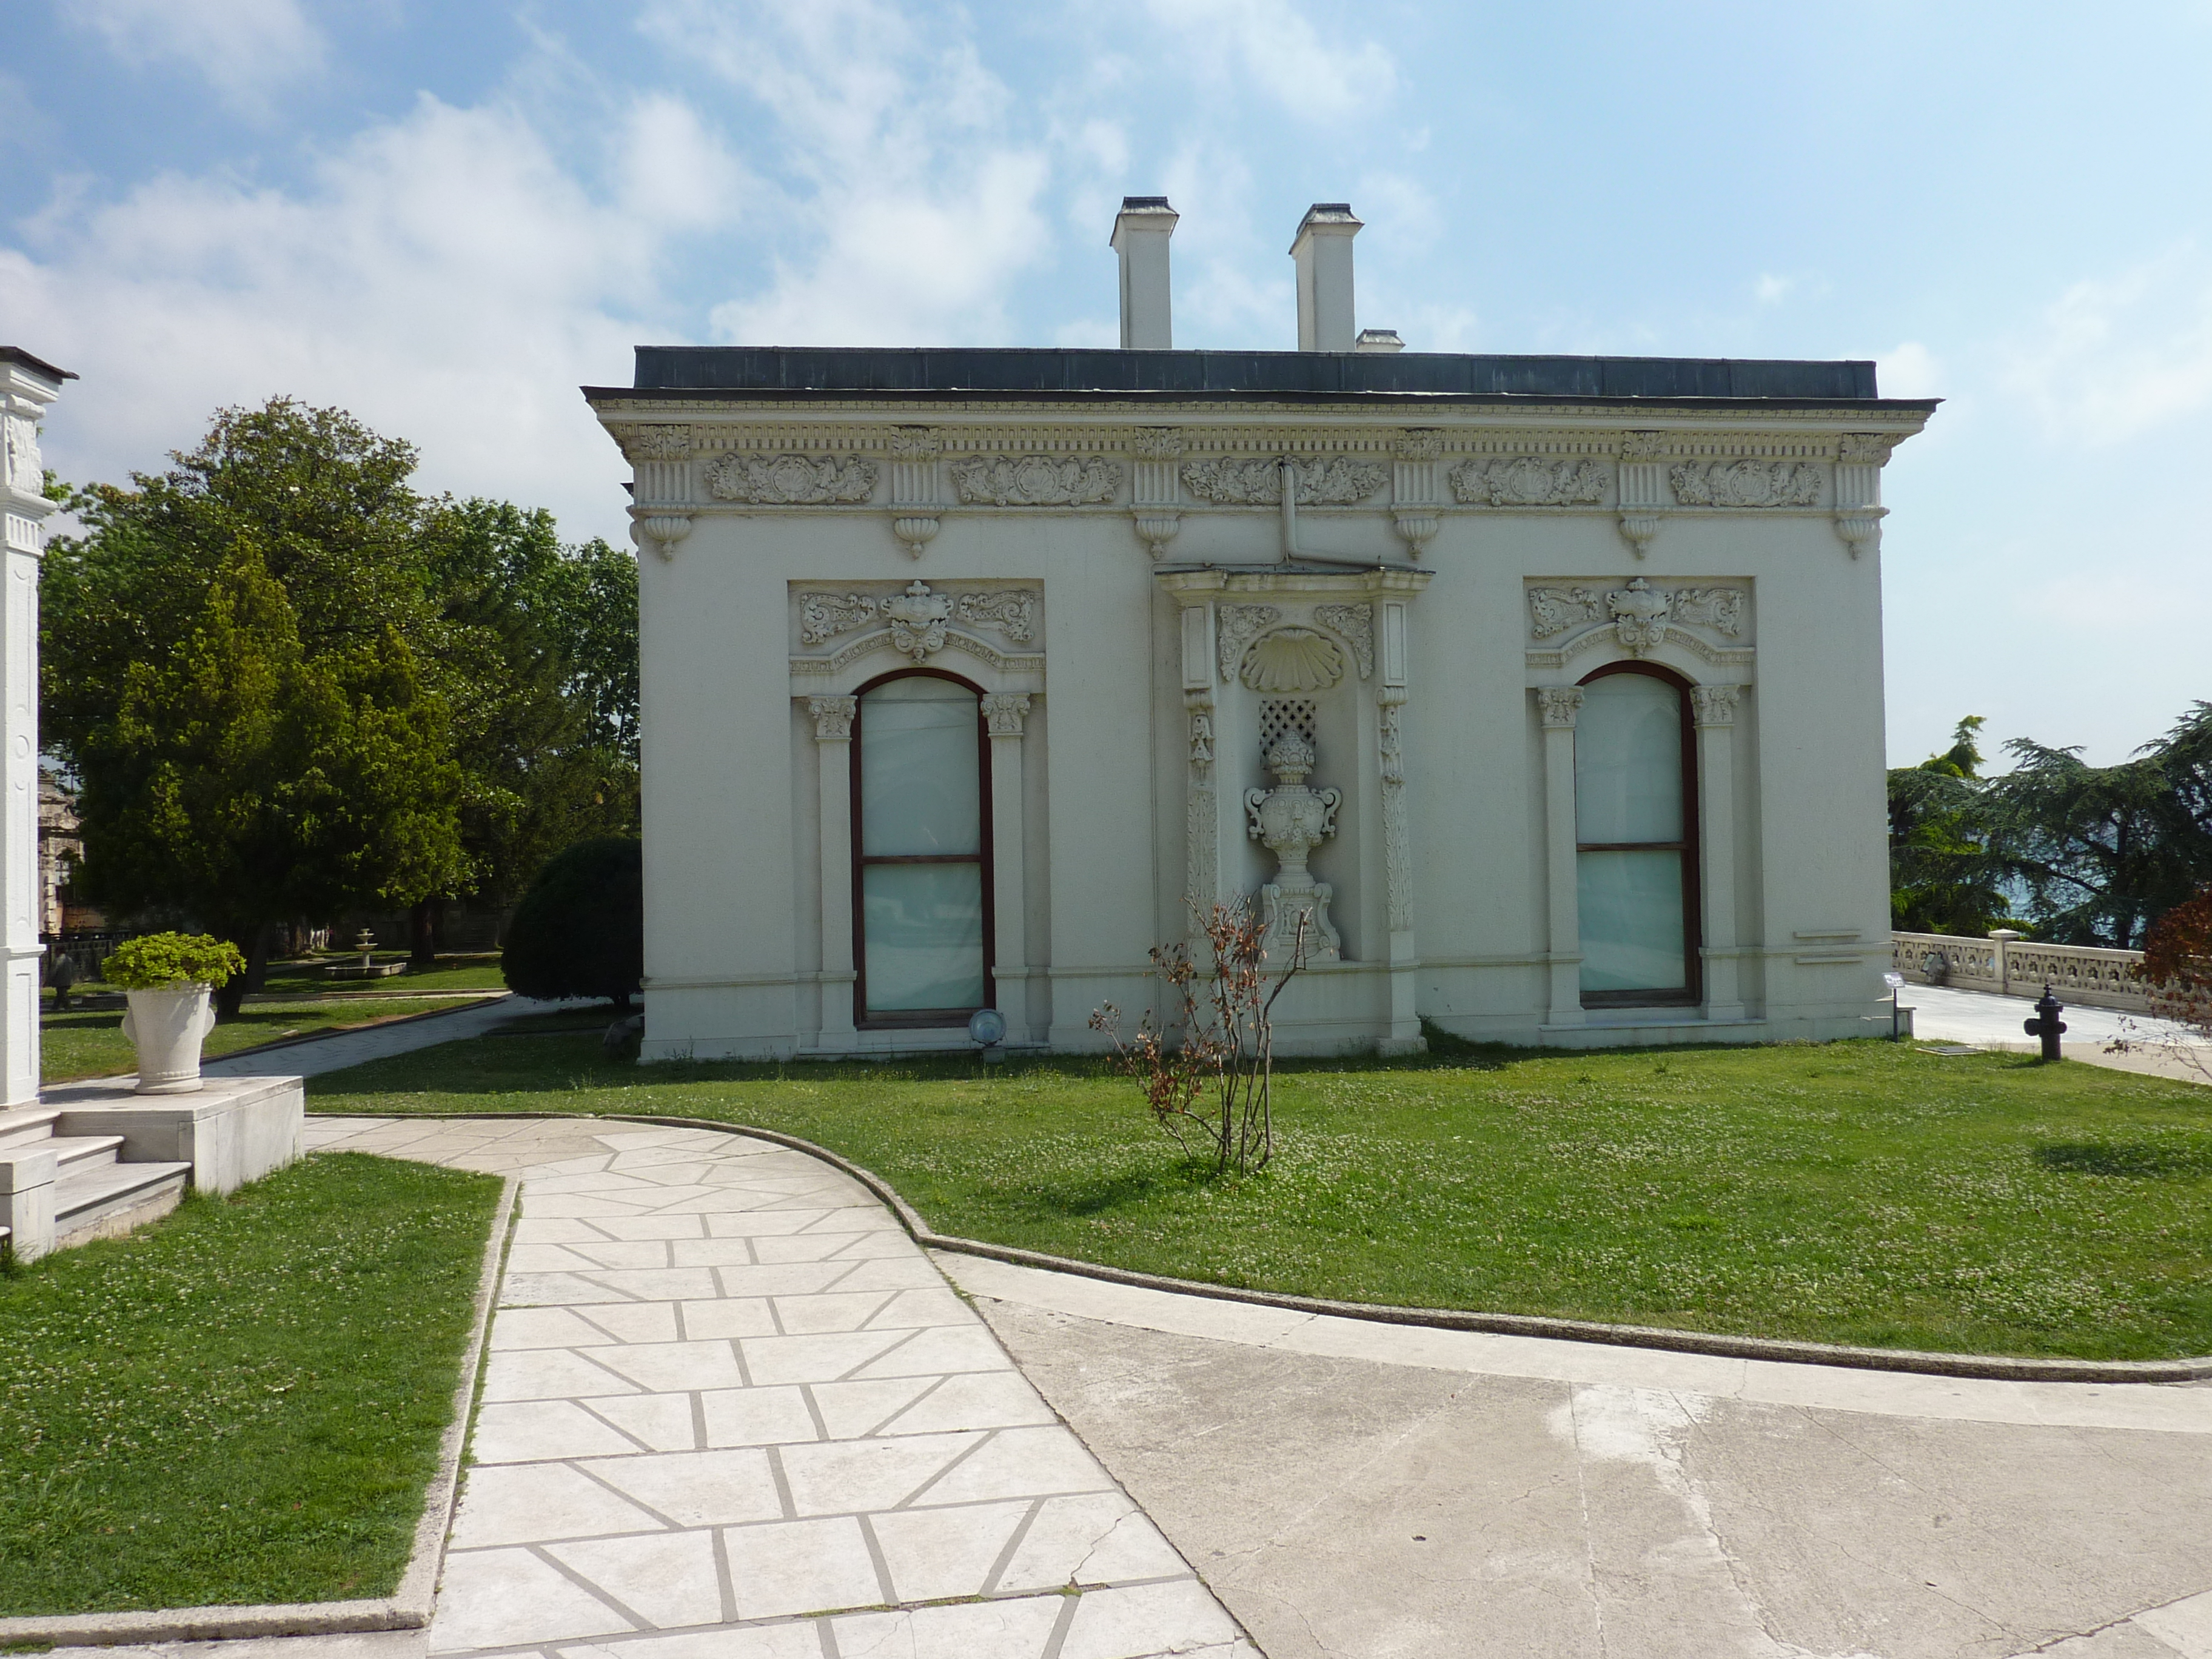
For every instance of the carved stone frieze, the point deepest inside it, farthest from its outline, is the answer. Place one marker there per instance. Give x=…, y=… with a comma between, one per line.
x=913, y=443
x=1866, y=449
x=1639, y=612
x=917, y=619
x=1357, y=623
x=791, y=480
x=1239, y=624
x=1529, y=481
x=1419, y=444
x=1746, y=484
x=1643, y=446
x=1011, y=611
x=824, y=616
x=1340, y=481
x=1035, y=480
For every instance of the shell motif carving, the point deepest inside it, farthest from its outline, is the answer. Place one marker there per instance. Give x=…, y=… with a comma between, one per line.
x=791, y=480
x=1293, y=659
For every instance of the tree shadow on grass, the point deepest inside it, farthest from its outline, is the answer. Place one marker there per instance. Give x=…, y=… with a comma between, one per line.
x=2134, y=1159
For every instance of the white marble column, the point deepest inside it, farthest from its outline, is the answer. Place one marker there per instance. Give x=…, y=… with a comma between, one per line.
x=28, y=385
x=1005, y=715
x=833, y=740
x=1392, y=642
x=1202, y=807
x=1714, y=707
x=1558, y=705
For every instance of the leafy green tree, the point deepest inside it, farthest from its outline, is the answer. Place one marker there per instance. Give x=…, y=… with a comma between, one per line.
x=243, y=667
x=2103, y=851
x=546, y=637
x=1944, y=878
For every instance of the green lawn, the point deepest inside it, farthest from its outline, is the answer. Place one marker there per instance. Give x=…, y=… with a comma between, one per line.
x=92, y=1044
x=1860, y=1193
x=243, y=1403
x=452, y=973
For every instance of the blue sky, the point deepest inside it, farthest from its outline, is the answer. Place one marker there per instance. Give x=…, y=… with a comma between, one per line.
x=444, y=216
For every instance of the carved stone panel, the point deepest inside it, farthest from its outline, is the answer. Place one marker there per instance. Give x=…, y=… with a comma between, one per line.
x=1746, y=484
x=1292, y=659
x=1340, y=481
x=1356, y=622
x=1711, y=619
x=1529, y=481
x=791, y=480
x=916, y=620
x=1035, y=480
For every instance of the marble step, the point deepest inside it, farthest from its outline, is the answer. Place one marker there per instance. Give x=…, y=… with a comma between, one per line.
x=114, y=1197
x=73, y=1153
x=25, y=1125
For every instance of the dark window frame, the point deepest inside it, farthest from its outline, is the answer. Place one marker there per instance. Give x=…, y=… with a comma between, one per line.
x=918, y=1018
x=1694, y=962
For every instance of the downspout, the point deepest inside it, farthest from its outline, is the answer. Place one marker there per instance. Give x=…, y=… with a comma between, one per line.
x=1291, y=550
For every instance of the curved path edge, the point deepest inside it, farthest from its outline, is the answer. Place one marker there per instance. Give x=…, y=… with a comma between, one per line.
x=1999, y=1367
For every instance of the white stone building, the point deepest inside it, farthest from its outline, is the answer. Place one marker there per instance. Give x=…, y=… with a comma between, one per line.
x=965, y=672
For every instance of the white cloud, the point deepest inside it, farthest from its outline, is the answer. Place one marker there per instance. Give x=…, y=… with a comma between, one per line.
x=1772, y=290
x=911, y=204
x=1281, y=53
x=1909, y=369
x=442, y=277
x=2117, y=356
x=244, y=49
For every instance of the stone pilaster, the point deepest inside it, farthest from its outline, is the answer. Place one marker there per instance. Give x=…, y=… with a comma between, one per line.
x=833, y=739
x=661, y=504
x=1005, y=717
x=1860, y=458
x=1413, y=496
x=1557, y=706
x=1714, y=710
x=914, y=450
x=1155, y=495
x=1644, y=496
x=26, y=388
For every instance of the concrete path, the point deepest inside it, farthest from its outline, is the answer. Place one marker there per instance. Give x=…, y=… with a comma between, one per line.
x=335, y=1052
x=1983, y=1019
x=1356, y=1491
x=732, y=1411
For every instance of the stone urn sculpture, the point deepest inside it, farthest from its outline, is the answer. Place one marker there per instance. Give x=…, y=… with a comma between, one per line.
x=1292, y=820
x=165, y=978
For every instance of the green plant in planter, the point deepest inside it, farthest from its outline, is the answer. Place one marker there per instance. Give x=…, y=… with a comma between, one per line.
x=162, y=961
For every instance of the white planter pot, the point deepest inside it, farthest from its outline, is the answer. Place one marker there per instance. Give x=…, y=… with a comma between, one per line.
x=168, y=1026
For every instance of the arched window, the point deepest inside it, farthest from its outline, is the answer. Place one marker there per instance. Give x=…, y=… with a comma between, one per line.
x=1636, y=838
x=921, y=860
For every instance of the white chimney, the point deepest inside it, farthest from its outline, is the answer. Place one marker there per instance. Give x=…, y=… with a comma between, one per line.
x=1141, y=231
x=1378, y=339
x=1323, y=252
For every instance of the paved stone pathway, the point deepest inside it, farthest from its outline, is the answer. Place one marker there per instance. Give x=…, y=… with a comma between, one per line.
x=732, y=1411
x=343, y=1048
x=1984, y=1019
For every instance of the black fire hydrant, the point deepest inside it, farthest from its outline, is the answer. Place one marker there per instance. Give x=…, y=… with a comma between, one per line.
x=2046, y=1025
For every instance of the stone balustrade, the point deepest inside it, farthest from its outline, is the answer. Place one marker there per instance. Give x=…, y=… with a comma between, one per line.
x=2007, y=964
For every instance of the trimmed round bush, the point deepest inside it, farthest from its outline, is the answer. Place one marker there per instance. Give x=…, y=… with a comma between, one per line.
x=162, y=961
x=579, y=931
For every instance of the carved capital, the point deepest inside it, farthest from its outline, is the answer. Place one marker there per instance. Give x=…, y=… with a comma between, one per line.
x=1714, y=705
x=1866, y=449
x=1643, y=446
x=1004, y=712
x=1559, y=705
x=913, y=443
x=1158, y=443
x=833, y=718
x=641, y=443
x=1419, y=444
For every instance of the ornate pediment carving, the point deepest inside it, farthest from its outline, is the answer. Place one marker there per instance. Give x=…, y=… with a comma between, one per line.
x=1746, y=484
x=1239, y=625
x=916, y=620
x=1640, y=617
x=1356, y=622
x=1340, y=480
x=1011, y=611
x=1529, y=481
x=1035, y=480
x=791, y=480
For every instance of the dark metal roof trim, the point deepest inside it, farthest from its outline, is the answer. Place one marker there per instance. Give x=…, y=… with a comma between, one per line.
x=849, y=371
x=17, y=354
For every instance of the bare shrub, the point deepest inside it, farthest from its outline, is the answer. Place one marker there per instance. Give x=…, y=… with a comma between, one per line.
x=2177, y=972
x=1208, y=1073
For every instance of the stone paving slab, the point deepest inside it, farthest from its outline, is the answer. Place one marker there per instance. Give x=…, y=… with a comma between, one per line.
x=731, y=1410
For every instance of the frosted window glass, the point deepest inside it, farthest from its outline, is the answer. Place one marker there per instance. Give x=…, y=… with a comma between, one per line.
x=920, y=790
x=1628, y=761
x=925, y=935
x=1632, y=920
